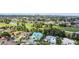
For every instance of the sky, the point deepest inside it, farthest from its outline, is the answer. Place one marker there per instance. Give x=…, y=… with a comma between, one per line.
x=39, y=6
x=58, y=14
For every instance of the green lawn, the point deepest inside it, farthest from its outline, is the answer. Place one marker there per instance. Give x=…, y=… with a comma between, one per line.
x=29, y=26
x=3, y=25
x=71, y=29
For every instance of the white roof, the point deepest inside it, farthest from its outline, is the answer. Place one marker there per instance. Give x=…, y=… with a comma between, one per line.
x=77, y=32
x=51, y=39
x=67, y=41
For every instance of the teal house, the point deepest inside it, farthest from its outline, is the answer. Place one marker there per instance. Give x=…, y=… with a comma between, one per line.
x=36, y=36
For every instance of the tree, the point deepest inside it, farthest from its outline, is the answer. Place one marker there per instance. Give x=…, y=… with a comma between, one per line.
x=58, y=41
x=24, y=27
x=7, y=21
x=5, y=34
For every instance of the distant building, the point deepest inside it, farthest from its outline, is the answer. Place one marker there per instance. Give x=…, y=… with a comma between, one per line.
x=49, y=22
x=1, y=30
x=77, y=33
x=76, y=23
x=13, y=21
x=51, y=39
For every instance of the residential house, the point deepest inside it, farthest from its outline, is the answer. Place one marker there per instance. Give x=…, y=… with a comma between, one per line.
x=23, y=36
x=33, y=37
x=67, y=41
x=30, y=41
x=1, y=30
x=51, y=39
x=50, y=22
x=76, y=35
x=36, y=36
x=5, y=41
x=76, y=23
x=13, y=21
x=26, y=34
x=65, y=22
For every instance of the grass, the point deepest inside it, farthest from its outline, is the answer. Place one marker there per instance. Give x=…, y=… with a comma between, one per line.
x=71, y=29
x=4, y=25
x=29, y=26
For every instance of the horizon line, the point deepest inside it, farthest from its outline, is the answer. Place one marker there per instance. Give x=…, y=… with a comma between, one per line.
x=59, y=14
